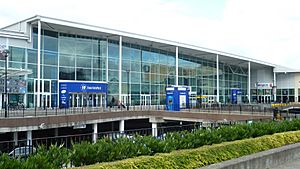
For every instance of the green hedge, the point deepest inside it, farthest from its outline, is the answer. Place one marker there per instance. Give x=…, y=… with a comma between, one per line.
x=205, y=155
x=106, y=150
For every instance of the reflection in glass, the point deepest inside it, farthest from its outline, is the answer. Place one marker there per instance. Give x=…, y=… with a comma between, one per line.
x=83, y=74
x=66, y=73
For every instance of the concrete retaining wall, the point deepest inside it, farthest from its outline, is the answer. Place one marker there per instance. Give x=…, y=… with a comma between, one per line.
x=262, y=160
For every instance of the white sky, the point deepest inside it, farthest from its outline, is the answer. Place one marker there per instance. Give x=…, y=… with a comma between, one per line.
x=267, y=30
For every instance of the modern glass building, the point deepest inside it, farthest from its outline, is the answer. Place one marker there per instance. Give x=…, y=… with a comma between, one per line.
x=69, y=64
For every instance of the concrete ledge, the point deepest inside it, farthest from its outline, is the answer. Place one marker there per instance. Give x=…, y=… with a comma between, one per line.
x=261, y=160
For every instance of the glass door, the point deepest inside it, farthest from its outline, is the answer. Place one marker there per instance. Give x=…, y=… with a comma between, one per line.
x=45, y=93
x=145, y=100
x=45, y=100
x=125, y=99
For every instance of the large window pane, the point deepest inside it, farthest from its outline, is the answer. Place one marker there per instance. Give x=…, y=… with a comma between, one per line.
x=113, y=50
x=30, y=86
x=83, y=62
x=135, y=77
x=17, y=54
x=50, y=72
x=32, y=56
x=66, y=73
x=84, y=48
x=33, y=68
x=135, y=89
x=126, y=53
x=103, y=48
x=83, y=74
x=53, y=86
x=67, y=45
x=99, y=62
x=113, y=88
x=146, y=56
x=50, y=41
x=50, y=58
x=97, y=75
x=113, y=63
x=47, y=86
x=136, y=54
x=67, y=60
x=136, y=66
x=113, y=76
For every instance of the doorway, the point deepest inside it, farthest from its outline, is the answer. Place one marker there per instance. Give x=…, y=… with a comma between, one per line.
x=45, y=100
x=87, y=100
x=145, y=100
x=126, y=99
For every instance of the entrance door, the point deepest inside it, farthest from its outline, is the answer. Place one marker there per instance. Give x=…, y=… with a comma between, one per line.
x=268, y=99
x=45, y=100
x=124, y=99
x=45, y=93
x=87, y=100
x=99, y=100
x=145, y=100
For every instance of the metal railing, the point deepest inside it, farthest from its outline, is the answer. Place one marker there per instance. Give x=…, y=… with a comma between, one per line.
x=213, y=108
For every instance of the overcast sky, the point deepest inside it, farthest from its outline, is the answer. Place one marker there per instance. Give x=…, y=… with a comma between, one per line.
x=267, y=30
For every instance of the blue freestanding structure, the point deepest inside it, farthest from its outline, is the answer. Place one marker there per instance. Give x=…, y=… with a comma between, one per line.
x=234, y=95
x=177, y=97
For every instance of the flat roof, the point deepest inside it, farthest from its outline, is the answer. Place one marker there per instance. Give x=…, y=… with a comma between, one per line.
x=61, y=24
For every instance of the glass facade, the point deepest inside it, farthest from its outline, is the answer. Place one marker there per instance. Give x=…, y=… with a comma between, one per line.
x=75, y=57
x=285, y=95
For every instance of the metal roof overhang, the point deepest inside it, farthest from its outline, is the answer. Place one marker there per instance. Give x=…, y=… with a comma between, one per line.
x=192, y=50
x=12, y=72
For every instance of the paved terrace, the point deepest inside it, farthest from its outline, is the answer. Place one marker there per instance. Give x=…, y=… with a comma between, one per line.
x=65, y=118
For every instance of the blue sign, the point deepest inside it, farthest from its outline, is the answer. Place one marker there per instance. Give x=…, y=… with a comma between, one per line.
x=78, y=87
x=177, y=97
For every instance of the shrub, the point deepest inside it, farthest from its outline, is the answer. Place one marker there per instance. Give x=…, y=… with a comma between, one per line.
x=9, y=163
x=194, y=158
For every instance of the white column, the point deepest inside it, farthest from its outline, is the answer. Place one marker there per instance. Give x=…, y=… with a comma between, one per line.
x=29, y=137
x=73, y=100
x=39, y=63
x=122, y=126
x=107, y=60
x=97, y=100
x=0, y=101
x=101, y=101
x=275, y=84
x=154, y=129
x=16, y=138
x=218, y=80
x=249, y=82
x=120, y=68
x=95, y=132
x=77, y=99
x=176, y=78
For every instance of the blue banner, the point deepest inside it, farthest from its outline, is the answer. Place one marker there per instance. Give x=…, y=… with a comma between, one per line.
x=78, y=87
